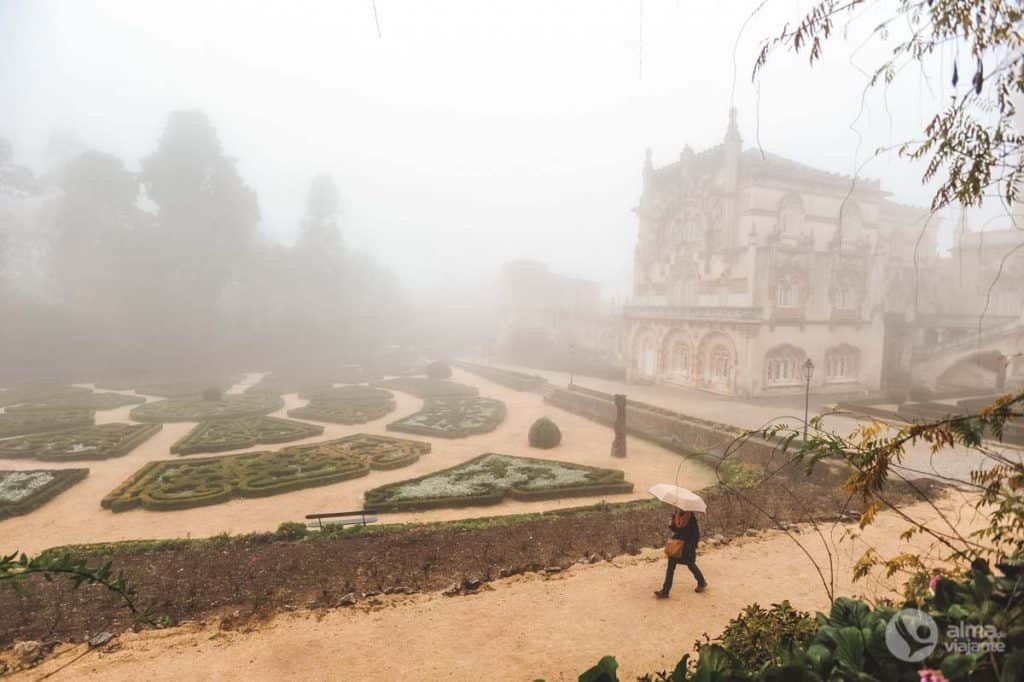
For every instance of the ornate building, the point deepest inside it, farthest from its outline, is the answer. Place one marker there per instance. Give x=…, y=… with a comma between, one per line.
x=747, y=264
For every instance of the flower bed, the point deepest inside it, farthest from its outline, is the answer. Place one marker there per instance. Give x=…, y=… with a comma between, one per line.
x=87, y=443
x=78, y=401
x=229, y=407
x=490, y=478
x=23, y=491
x=517, y=381
x=429, y=388
x=42, y=422
x=345, y=405
x=180, y=484
x=453, y=417
x=219, y=435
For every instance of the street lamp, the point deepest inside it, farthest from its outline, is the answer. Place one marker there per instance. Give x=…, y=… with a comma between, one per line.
x=808, y=371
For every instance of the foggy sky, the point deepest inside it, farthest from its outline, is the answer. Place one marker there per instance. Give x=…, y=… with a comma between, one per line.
x=471, y=133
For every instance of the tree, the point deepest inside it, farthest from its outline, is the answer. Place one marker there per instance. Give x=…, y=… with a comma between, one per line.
x=320, y=232
x=972, y=146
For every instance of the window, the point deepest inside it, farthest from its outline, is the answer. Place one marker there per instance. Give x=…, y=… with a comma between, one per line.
x=721, y=363
x=842, y=364
x=679, y=360
x=784, y=367
x=785, y=294
x=845, y=297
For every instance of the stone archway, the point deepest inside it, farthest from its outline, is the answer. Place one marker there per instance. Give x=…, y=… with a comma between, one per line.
x=983, y=370
x=645, y=353
x=716, y=363
x=677, y=357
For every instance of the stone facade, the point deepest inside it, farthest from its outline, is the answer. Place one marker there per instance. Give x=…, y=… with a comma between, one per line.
x=747, y=264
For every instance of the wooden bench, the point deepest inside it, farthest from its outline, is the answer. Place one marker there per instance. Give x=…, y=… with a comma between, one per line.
x=351, y=518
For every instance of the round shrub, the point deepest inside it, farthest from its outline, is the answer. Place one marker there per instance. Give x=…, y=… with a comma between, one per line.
x=544, y=434
x=438, y=370
x=213, y=394
x=292, y=530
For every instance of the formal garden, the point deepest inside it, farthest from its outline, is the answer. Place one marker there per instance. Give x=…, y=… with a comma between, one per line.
x=490, y=478
x=198, y=409
x=102, y=441
x=351, y=404
x=23, y=491
x=77, y=401
x=517, y=381
x=180, y=484
x=425, y=388
x=219, y=435
x=168, y=387
x=30, y=393
x=44, y=421
x=453, y=417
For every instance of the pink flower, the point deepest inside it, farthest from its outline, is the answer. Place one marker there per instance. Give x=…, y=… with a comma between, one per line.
x=933, y=582
x=929, y=675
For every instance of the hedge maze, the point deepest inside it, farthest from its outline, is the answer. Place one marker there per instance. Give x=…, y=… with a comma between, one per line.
x=453, y=417
x=345, y=405
x=490, y=478
x=218, y=435
x=78, y=401
x=196, y=410
x=23, y=491
x=41, y=422
x=429, y=388
x=184, y=483
x=87, y=443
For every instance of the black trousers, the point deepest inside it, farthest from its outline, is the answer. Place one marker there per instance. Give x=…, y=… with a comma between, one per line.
x=670, y=572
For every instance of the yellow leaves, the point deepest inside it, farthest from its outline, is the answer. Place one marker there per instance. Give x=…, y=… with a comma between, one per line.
x=867, y=517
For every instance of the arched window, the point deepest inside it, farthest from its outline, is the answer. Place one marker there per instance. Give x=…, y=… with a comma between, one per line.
x=842, y=363
x=791, y=216
x=679, y=359
x=721, y=364
x=783, y=366
x=786, y=294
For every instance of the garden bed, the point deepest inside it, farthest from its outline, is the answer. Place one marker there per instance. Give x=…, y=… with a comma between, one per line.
x=78, y=401
x=430, y=388
x=86, y=443
x=453, y=417
x=220, y=435
x=517, y=381
x=27, y=393
x=23, y=491
x=228, y=407
x=490, y=478
x=42, y=422
x=180, y=484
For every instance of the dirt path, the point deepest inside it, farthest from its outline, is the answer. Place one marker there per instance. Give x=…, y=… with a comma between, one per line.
x=526, y=628
x=75, y=516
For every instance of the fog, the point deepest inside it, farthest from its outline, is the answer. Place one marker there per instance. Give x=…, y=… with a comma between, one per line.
x=460, y=136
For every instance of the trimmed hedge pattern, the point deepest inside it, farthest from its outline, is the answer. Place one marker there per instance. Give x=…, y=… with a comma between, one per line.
x=345, y=405
x=184, y=410
x=429, y=388
x=453, y=417
x=89, y=443
x=219, y=435
x=517, y=381
x=42, y=422
x=490, y=478
x=23, y=491
x=180, y=484
x=30, y=393
x=79, y=401
x=171, y=388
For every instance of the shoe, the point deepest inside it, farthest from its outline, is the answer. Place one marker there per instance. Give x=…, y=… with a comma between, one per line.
x=701, y=588
x=660, y=595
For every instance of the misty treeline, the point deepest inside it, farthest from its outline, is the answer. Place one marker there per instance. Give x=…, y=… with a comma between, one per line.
x=112, y=270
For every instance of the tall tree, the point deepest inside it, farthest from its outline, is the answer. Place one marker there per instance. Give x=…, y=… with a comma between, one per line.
x=320, y=229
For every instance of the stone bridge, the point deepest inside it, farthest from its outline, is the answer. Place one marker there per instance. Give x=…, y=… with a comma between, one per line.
x=975, y=361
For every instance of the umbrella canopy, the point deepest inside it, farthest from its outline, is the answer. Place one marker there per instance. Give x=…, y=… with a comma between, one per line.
x=681, y=498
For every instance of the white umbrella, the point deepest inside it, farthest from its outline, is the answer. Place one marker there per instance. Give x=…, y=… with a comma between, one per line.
x=680, y=498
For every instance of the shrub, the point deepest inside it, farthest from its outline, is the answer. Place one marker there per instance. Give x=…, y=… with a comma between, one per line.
x=756, y=636
x=292, y=530
x=212, y=394
x=453, y=417
x=544, y=434
x=438, y=370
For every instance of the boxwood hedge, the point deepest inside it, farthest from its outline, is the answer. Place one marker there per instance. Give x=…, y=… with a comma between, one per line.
x=189, y=410
x=453, y=417
x=219, y=435
x=86, y=443
x=23, y=491
x=42, y=422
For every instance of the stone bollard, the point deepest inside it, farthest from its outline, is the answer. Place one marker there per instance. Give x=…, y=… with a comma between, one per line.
x=619, y=444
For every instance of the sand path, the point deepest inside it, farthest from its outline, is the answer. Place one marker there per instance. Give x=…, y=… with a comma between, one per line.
x=526, y=628
x=75, y=516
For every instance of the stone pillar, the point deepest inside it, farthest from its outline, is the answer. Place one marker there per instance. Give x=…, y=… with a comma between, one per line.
x=619, y=444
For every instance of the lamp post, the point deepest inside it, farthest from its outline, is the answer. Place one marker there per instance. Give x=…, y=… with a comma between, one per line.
x=808, y=371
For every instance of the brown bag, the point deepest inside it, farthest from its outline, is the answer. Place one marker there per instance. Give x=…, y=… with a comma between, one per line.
x=674, y=548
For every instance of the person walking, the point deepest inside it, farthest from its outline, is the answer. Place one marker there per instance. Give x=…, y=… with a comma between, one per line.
x=684, y=528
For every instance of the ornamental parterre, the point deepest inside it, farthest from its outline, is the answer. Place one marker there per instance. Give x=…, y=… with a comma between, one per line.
x=23, y=491
x=42, y=422
x=78, y=401
x=86, y=443
x=220, y=435
x=453, y=417
x=429, y=388
x=183, y=483
x=490, y=478
x=27, y=393
x=186, y=410
x=345, y=405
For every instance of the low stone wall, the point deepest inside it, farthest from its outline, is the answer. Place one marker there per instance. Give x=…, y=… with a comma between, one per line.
x=672, y=430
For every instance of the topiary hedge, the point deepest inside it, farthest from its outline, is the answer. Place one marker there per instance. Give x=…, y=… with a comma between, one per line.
x=23, y=491
x=78, y=401
x=544, y=434
x=220, y=435
x=86, y=443
x=429, y=388
x=345, y=405
x=33, y=393
x=42, y=422
x=453, y=417
x=490, y=478
x=186, y=410
x=181, y=484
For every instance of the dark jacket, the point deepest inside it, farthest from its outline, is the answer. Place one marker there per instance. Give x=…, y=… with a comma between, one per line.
x=689, y=533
